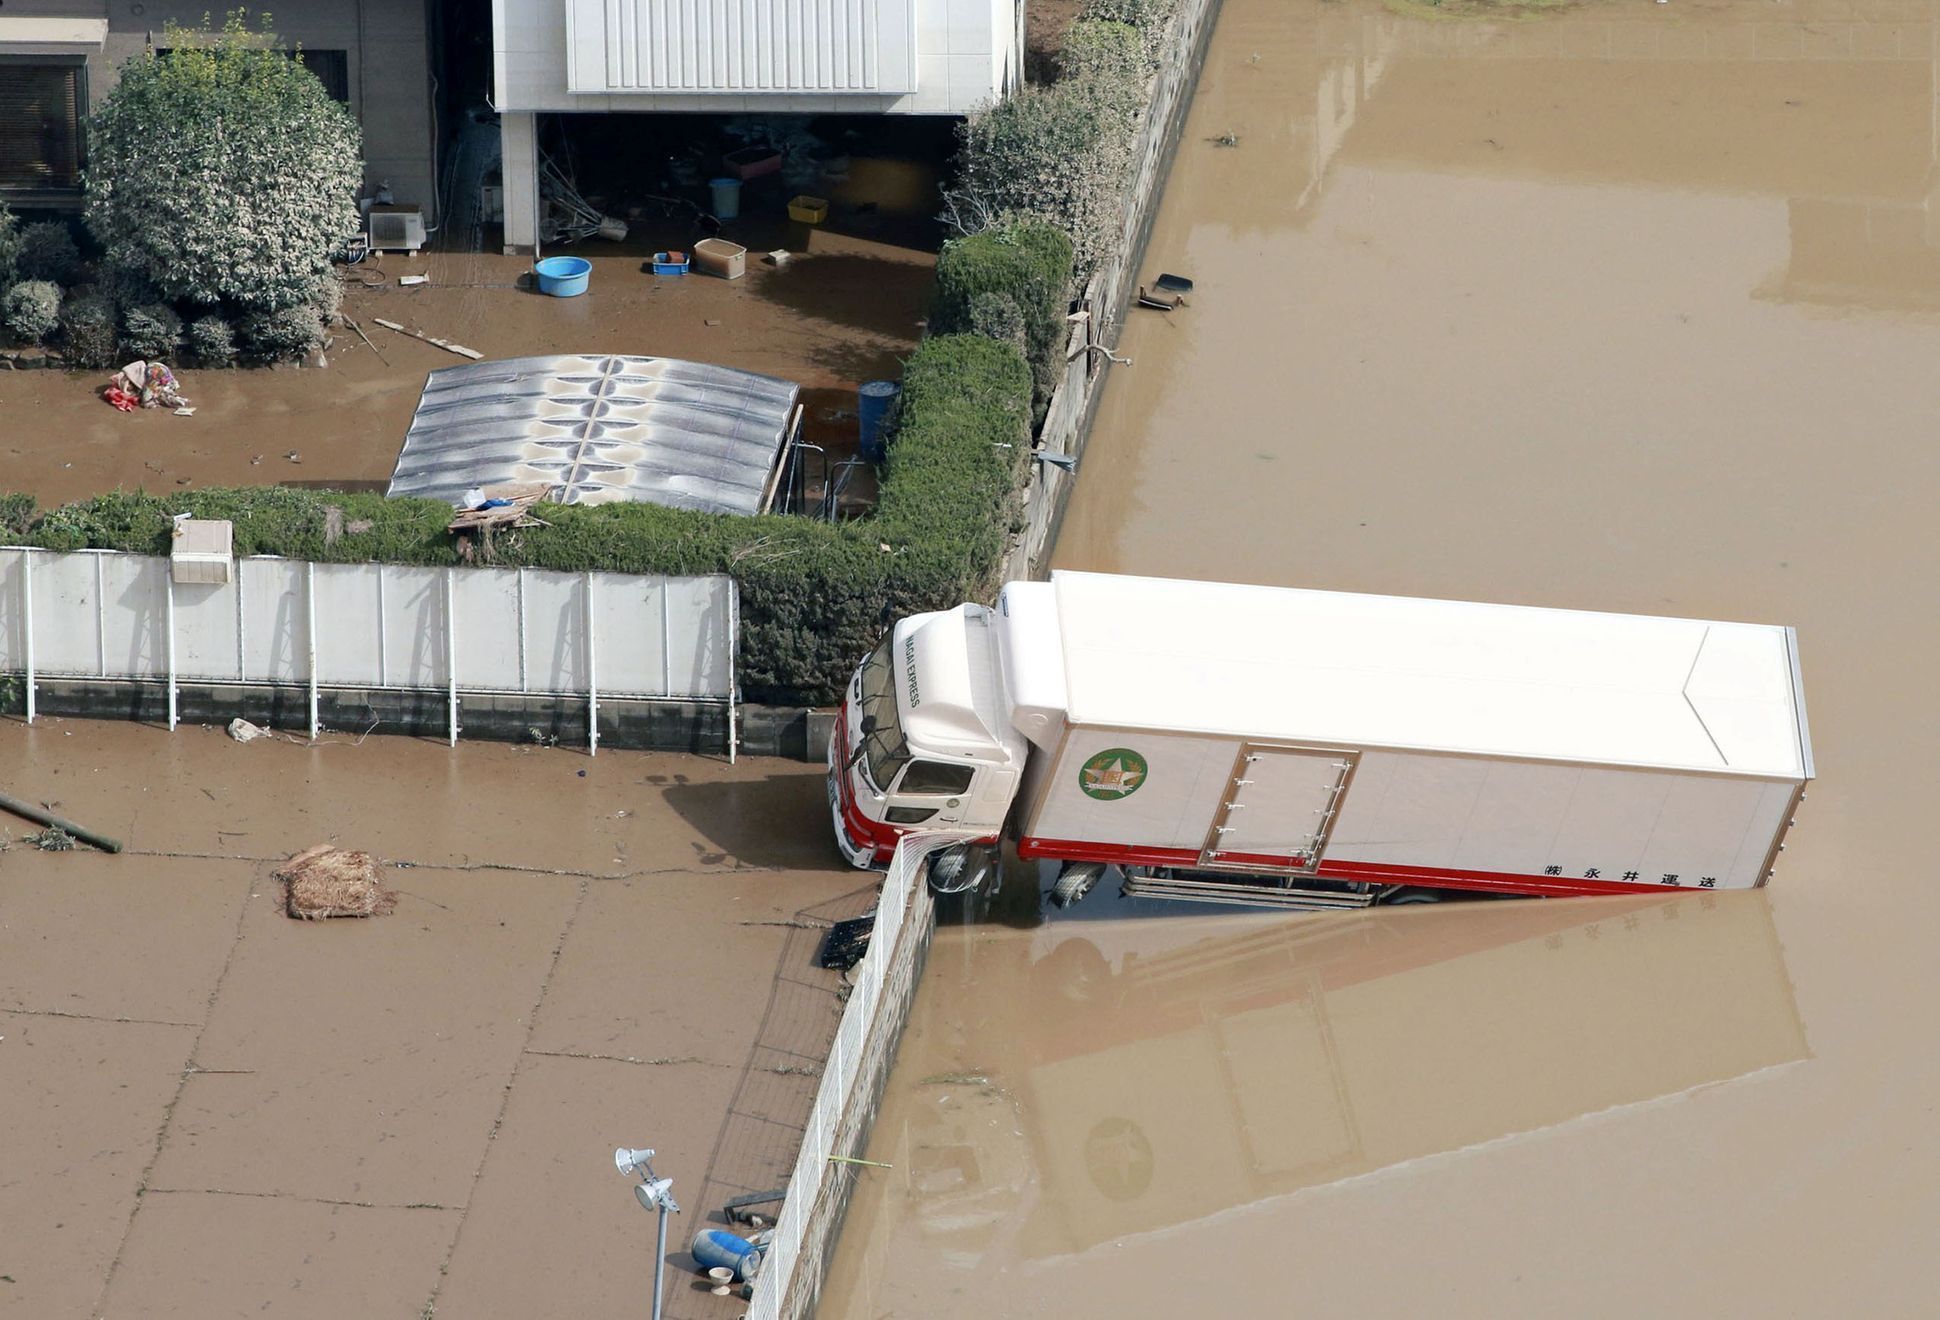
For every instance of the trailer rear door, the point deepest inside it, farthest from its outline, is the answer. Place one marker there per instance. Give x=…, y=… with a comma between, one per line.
x=1278, y=808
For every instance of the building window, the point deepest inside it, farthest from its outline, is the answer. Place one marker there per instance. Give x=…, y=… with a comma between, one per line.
x=332, y=68
x=42, y=103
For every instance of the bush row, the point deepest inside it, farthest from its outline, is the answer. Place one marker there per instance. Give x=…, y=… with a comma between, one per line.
x=814, y=597
x=1063, y=154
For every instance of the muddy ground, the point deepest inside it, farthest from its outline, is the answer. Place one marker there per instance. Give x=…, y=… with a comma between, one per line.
x=215, y=1110
x=844, y=310
x=1633, y=308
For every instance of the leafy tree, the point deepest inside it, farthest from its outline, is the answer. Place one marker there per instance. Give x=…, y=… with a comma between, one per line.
x=222, y=171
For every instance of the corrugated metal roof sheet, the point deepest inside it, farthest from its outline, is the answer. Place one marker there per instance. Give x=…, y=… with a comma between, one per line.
x=657, y=430
x=742, y=46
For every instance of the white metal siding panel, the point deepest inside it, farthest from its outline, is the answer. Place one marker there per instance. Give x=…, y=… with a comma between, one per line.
x=1589, y=822
x=1173, y=808
x=719, y=47
x=1386, y=671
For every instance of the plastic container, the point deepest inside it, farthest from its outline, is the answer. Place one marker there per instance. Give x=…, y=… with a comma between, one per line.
x=670, y=263
x=717, y=256
x=752, y=162
x=874, y=401
x=563, y=277
x=727, y=198
x=809, y=210
x=716, y=1248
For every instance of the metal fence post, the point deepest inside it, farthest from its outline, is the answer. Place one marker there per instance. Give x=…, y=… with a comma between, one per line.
x=451, y=656
x=27, y=623
x=734, y=668
x=168, y=586
x=592, y=680
x=100, y=618
x=310, y=631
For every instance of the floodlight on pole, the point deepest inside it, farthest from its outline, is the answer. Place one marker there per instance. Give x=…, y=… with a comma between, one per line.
x=654, y=1193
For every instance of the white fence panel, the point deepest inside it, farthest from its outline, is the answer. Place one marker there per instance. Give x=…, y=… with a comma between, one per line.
x=65, y=588
x=555, y=622
x=630, y=618
x=414, y=627
x=485, y=610
x=700, y=637
x=104, y=614
x=13, y=606
x=276, y=645
x=134, y=617
x=349, y=651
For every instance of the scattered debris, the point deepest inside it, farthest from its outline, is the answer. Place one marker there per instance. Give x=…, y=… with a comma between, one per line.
x=850, y=1159
x=243, y=731
x=145, y=385
x=736, y=1210
x=1170, y=283
x=413, y=279
x=1225, y=140
x=1159, y=303
x=327, y=881
x=185, y=411
x=55, y=826
x=51, y=839
x=956, y=1079
x=294, y=457
x=779, y=257
x=351, y=322
x=846, y=942
x=448, y=346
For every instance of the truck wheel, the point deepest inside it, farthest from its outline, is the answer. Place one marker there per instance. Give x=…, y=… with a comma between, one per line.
x=957, y=869
x=1412, y=896
x=1075, y=881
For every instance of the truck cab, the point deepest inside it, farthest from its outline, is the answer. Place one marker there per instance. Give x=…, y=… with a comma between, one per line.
x=922, y=740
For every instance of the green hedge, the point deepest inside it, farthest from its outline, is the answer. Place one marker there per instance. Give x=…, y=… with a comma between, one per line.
x=1028, y=265
x=814, y=597
x=1096, y=47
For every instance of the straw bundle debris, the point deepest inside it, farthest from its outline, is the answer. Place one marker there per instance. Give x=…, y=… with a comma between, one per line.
x=333, y=882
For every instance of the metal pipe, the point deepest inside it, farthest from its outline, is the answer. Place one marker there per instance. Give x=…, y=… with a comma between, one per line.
x=40, y=816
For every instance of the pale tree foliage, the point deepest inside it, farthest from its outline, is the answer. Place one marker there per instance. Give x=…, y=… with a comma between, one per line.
x=223, y=172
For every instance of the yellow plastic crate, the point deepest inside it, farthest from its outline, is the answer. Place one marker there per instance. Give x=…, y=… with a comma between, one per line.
x=809, y=210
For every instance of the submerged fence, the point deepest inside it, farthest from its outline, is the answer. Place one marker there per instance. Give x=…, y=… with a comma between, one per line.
x=102, y=614
x=852, y=1082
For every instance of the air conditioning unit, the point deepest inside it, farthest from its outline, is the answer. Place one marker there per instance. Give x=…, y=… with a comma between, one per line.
x=396, y=228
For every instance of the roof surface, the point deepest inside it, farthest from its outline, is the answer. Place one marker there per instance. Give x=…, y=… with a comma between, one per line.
x=1390, y=671
x=656, y=430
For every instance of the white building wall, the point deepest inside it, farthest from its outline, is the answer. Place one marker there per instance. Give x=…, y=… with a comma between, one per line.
x=966, y=56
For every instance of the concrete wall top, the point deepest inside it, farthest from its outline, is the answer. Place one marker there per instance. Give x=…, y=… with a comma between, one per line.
x=954, y=55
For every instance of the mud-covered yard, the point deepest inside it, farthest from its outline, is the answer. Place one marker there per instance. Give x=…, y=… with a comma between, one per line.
x=842, y=309
x=215, y=1110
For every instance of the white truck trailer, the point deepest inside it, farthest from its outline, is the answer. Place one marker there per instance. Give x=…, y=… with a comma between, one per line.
x=1319, y=749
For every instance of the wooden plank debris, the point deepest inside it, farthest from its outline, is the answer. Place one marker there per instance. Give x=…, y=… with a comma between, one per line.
x=445, y=344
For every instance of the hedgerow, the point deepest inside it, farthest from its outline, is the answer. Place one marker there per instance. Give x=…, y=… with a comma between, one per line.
x=814, y=596
x=1029, y=266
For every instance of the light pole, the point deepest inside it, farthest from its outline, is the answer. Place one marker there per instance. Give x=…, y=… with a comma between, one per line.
x=654, y=1194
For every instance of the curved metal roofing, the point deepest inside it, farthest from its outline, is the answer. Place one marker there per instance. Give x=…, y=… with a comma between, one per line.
x=601, y=427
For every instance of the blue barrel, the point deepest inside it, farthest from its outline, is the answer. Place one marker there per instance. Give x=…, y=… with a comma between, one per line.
x=727, y=198
x=718, y=1247
x=876, y=397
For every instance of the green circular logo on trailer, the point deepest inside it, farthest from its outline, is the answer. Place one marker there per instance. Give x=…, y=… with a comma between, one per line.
x=1113, y=773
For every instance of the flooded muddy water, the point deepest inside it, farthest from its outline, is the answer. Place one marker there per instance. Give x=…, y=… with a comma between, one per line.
x=1623, y=308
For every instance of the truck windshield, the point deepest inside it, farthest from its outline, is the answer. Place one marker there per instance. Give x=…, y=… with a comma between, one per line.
x=886, y=749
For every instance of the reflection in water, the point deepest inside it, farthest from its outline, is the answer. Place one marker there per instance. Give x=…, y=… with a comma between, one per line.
x=1120, y=1078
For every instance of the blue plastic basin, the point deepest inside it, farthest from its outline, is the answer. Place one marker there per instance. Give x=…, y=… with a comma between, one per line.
x=563, y=277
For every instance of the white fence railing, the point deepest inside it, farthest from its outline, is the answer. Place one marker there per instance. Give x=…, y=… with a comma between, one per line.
x=286, y=622
x=852, y=1081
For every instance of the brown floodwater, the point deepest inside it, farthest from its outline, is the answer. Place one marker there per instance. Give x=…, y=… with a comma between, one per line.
x=1622, y=308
